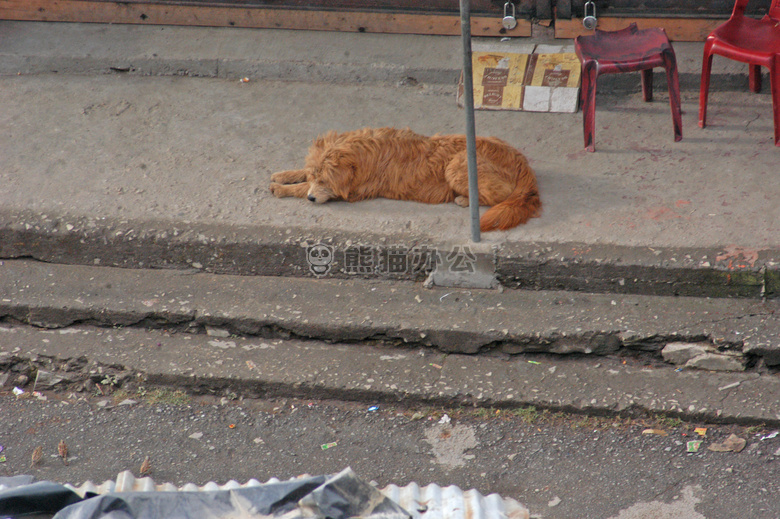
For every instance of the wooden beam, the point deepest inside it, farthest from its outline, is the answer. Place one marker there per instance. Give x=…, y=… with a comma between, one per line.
x=678, y=29
x=248, y=17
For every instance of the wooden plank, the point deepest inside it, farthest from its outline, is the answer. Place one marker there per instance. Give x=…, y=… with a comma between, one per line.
x=478, y=7
x=248, y=17
x=678, y=29
x=668, y=8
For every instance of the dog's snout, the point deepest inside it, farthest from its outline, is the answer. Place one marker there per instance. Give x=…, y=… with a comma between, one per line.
x=312, y=198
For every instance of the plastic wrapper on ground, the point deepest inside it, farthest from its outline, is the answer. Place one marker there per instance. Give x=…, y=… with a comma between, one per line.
x=341, y=496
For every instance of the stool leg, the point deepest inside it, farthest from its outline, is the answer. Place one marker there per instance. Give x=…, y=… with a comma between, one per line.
x=647, y=84
x=670, y=63
x=588, y=97
x=774, y=83
x=754, y=78
x=704, y=89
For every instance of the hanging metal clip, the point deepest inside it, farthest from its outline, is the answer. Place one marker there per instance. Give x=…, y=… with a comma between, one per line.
x=509, y=22
x=589, y=21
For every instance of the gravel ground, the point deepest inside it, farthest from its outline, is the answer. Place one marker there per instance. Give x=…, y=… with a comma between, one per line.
x=559, y=466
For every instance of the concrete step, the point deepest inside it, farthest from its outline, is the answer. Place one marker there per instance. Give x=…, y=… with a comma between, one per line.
x=105, y=360
x=722, y=333
x=261, y=54
x=275, y=250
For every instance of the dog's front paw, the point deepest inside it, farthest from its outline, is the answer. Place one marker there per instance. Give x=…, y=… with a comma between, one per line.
x=277, y=190
x=462, y=201
x=289, y=177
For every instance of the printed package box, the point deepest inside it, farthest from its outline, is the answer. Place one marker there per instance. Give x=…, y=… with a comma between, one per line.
x=553, y=80
x=542, y=78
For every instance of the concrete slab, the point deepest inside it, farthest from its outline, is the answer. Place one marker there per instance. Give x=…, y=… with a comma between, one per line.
x=402, y=313
x=120, y=168
x=268, y=368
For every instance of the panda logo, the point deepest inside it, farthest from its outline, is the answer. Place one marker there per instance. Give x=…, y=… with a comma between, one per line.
x=320, y=258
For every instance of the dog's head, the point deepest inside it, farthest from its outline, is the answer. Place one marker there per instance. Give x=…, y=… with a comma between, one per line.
x=319, y=193
x=332, y=177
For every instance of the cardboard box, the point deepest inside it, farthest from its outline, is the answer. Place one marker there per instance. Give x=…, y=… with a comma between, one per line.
x=520, y=77
x=552, y=81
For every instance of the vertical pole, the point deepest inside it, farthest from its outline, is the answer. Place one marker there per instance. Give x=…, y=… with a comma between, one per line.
x=468, y=105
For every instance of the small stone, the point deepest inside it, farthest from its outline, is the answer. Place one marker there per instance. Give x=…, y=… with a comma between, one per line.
x=681, y=352
x=196, y=436
x=216, y=332
x=555, y=501
x=224, y=345
x=45, y=379
x=717, y=362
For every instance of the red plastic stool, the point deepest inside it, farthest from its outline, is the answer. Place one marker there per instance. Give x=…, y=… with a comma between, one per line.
x=626, y=50
x=755, y=42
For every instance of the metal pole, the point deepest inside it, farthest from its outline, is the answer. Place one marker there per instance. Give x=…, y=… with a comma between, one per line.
x=468, y=105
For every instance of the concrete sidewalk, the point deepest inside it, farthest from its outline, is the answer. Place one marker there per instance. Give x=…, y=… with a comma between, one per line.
x=137, y=146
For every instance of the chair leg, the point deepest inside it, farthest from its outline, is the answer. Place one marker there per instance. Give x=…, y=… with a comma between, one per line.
x=647, y=85
x=589, y=76
x=774, y=83
x=673, y=82
x=704, y=89
x=754, y=78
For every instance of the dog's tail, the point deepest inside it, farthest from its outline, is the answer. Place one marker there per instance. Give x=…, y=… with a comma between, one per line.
x=524, y=203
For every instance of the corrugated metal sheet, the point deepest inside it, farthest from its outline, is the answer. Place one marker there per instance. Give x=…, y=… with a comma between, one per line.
x=435, y=502
x=428, y=502
x=127, y=482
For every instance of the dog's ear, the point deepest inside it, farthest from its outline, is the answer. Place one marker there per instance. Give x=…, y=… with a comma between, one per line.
x=337, y=171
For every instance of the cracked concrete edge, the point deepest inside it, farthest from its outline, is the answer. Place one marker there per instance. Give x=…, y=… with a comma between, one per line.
x=294, y=70
x=272, y=251
x=267, y=368
x=401, y=313
x=696, y=272
x=274, y=70
x=271, y=54
x=255, y=70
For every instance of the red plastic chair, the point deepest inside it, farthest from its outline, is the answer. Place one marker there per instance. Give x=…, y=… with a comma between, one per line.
x=626, y=50
x=751, y=41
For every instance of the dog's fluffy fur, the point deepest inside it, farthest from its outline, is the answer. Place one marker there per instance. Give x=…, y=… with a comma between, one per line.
x=403, y=165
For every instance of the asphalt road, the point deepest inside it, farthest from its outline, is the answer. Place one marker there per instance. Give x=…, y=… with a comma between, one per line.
x=559, y=466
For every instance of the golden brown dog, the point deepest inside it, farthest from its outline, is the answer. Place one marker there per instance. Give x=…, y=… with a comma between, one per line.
x=403, y=165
